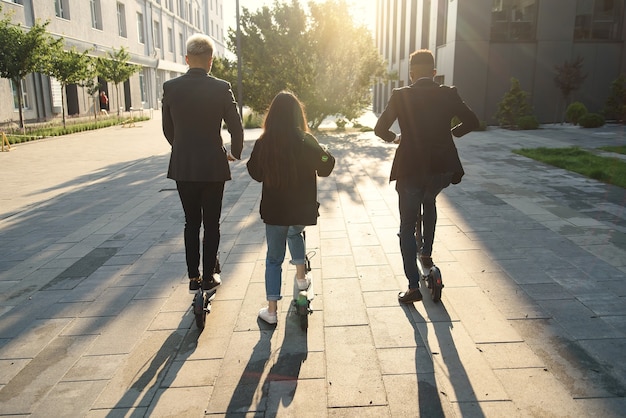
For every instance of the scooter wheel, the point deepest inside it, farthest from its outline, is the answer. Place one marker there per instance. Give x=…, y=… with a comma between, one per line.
x=198, y=310
x=436, y=284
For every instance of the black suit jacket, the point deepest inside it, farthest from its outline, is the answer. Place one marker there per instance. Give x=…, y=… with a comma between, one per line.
x=424, y=111
x=194, y=106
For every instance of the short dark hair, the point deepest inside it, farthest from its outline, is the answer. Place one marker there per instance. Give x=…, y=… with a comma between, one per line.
x=423, y=57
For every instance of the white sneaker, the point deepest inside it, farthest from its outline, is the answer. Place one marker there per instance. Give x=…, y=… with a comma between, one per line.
x=305, y=283
x=268, y=317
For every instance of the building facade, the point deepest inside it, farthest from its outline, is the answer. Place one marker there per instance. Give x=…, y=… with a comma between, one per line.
x=479, y=45
x=154, y=32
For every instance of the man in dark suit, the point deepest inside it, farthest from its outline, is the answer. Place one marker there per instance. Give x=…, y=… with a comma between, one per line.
x=194, y=106
x=426, y=160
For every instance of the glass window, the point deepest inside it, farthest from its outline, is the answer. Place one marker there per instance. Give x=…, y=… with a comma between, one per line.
x=25, y=104
x=96, y=15
x=140, y=31
x=62, y=9
x=121, y=20
x=157, y=34
x=170, y=40
x=513, y=20
x=598, y=19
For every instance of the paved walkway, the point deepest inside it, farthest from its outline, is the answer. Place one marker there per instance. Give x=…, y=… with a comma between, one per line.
x=95, y=316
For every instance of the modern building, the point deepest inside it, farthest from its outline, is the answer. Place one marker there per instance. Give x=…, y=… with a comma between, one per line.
x=479, y=45
x=154, y=32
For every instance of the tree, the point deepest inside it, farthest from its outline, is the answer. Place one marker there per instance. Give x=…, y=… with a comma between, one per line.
x=115, y=68
x=615, y=106
x=514, y=105
x=321, y=56
x=23, y=52
x=569, y=77
x=91, y=83
x=68, y=67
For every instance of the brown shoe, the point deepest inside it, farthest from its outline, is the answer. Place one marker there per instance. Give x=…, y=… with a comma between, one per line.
x=410, y=296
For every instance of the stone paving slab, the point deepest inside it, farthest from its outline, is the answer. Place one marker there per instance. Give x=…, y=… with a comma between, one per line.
x=95, y=316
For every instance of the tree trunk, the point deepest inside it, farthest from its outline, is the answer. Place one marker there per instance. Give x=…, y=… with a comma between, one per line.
x=18, y=84
x=63, y=104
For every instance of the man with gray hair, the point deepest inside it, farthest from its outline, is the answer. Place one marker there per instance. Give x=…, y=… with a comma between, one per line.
x=194, y=107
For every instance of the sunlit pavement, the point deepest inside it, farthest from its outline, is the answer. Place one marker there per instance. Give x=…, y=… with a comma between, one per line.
x=95, y=316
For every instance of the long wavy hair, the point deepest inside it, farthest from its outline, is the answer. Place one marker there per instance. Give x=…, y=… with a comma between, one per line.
x=285, y=125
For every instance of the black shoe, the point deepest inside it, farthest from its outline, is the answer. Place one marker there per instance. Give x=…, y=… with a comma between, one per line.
x=212, y=283
x=194, y=285
x=410, y=296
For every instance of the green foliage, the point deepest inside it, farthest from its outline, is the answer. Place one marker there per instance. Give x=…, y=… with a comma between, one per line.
x=606, y=169
x=527, y=123
x=253, y=120
x=115, y=68
x=23, y=52
x=575, y=111
x=68, y=67
x=225, y=69
x=615, y=106
x=591, y=120
x=513, y=106
x=321, y=55
x=55, y=130
x=341, y=124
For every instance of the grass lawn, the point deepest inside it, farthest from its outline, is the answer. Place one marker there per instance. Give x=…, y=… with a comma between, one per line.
x=605, y=169
x=619, y=149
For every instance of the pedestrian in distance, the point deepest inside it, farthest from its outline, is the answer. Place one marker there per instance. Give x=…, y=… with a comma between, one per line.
x=194, y=107
x=104, y=103
x=426, y=160
x=287, y=159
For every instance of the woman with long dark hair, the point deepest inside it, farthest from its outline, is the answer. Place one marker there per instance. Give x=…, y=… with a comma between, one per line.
x=287, y=159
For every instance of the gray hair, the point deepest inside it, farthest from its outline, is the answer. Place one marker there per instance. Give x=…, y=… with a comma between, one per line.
x=199, y=44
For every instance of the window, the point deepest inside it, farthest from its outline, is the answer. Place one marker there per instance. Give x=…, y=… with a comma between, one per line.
x=442, y=22
x=142, y=88
x=121, y=20
x=62, y=9
x=25, y=104
x=157, y=34
x=513, y=20
x=182, y=45
x=170, y=40
x=140, y=31
x=598, y=19
x=96, y=15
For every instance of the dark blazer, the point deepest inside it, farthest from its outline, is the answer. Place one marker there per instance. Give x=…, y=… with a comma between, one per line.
x=194, y=106
x=298, y=204
x=424, y=111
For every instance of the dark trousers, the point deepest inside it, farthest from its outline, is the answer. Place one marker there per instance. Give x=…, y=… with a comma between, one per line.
x=202, y=203
x=412, y=199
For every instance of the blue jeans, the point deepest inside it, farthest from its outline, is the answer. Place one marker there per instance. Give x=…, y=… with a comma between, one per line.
x=278, y=236
x=412, y=199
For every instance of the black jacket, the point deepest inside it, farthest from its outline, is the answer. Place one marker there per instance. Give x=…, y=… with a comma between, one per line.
x=194, y=106
x=424, y=111
x=297, y=205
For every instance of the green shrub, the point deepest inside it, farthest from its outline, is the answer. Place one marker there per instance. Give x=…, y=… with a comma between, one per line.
x=513, y=106
x=575, y=111
x=615, y=106
x=253, y=120
x=341, y=124
x=591, y=120
x=527, y=123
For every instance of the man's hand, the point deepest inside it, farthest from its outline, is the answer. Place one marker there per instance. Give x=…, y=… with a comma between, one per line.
x=230, y=157
x=398, y=139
